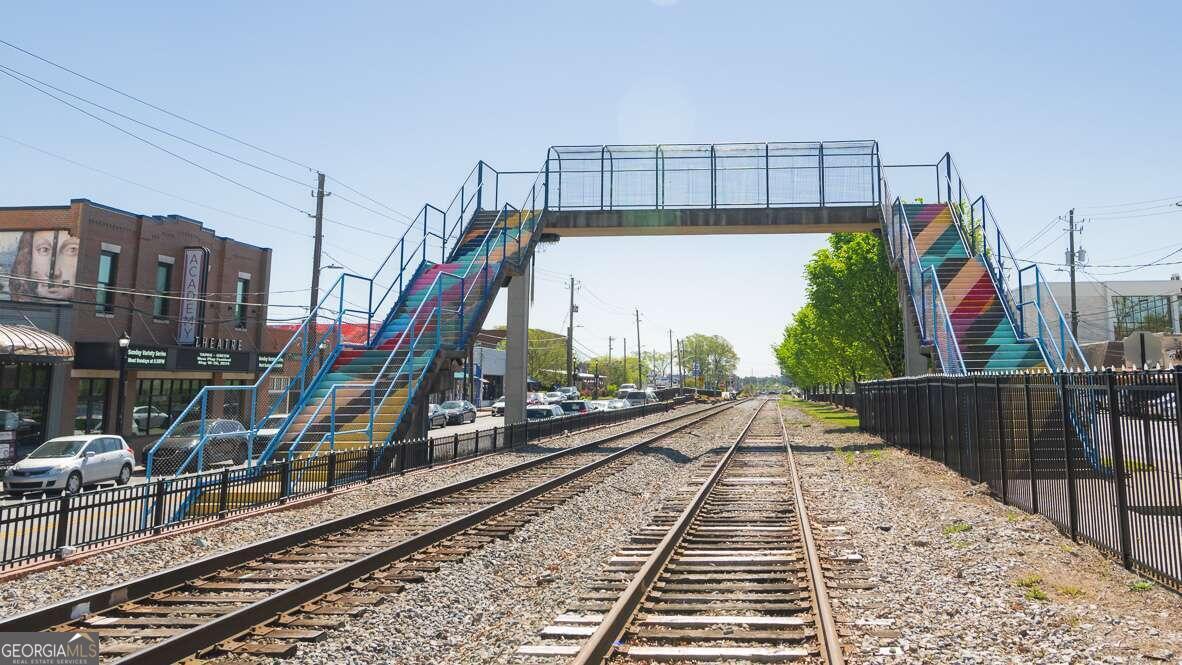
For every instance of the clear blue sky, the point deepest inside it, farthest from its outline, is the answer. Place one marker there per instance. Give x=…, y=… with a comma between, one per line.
x=1044, y=106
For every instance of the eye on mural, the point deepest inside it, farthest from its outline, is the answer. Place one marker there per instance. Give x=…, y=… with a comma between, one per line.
x=37, y=266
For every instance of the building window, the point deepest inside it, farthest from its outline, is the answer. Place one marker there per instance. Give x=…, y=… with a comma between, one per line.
x=240, y=292
x=1148, y=313
x=107, y=269
x=159, y=401
x=163, y=282
x=24, y=402
x=92, y=405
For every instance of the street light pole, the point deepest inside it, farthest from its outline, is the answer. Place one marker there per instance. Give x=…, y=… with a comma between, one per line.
x=124, y=344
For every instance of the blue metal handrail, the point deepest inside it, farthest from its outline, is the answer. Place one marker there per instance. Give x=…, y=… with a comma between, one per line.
x=932, y=318
x=1061, y=353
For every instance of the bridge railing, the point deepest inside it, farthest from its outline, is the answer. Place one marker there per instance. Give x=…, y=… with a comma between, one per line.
x=1037, y=316
x=732, y=175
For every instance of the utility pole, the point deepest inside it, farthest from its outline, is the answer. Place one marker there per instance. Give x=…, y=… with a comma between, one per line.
x=317, y=238
x=670, y=357
x=639, y=361
x=625, y=359
x=570, y=336
x=1071, y=267
x=609, y=359
x=680, y=367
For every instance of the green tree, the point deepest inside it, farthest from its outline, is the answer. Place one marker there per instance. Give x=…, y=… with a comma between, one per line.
x=546, y=356
x=713, y=354
x=851, y=328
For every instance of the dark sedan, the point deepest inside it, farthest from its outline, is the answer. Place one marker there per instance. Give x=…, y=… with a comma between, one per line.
x=436, y=417
x=458, y=411
x=225, y=443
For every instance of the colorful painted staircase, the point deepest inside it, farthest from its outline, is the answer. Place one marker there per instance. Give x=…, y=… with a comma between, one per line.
x=983, y=330
x=434, y=315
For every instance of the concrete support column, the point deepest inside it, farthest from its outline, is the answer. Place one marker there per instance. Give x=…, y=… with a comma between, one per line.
x=517, y=337
x=915, y=363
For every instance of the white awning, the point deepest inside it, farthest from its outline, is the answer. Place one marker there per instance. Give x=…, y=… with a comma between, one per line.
x=27, y=342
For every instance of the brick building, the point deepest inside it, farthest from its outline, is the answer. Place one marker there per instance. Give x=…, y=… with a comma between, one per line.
x=193, y=304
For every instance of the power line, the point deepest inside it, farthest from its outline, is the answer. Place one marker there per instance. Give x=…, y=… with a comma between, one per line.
x=155, y=145
x=10, y=71
x=149, y=188
x=158, y=108
x=372, y=200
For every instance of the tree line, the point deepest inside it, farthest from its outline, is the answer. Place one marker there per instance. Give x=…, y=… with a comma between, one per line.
x=850, y=328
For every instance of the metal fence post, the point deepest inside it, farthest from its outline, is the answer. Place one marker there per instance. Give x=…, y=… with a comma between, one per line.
x=1030, y=447
x=1001, y=446
x=455, y=446
x=975, y=435
x=63, y=520
x=1118, y=470
x=330, y=478
x=956, y=426
x=223, y=492
x=158, y=509
x=368, y=464
x=1069, y=463
x=285, y=480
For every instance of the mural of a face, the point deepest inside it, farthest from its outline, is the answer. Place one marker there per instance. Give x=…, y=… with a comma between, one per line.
x=38, y=265
x=54, y=272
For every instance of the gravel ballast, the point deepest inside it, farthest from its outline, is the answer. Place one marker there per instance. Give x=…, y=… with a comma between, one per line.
x=480, y=609
x=39, y=588
x=960, y=577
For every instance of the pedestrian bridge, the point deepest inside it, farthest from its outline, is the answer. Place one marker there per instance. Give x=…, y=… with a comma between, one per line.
x=746, y=188
x=424, y=305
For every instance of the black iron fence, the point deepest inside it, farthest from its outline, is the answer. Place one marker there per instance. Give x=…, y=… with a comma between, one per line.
x=1097, y=453
x=843, y=399
x=41, y=529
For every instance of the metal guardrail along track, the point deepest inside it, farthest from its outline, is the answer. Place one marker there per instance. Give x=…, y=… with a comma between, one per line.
x=264, y=598
x=729, y=572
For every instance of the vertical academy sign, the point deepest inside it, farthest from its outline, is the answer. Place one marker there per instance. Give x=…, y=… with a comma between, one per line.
x=193, y=273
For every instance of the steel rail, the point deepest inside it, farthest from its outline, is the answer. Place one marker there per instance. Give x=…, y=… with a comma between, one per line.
x=603, y=640
x=822, y=608
x=243, y=620
x=233, y=624
x=41, y=619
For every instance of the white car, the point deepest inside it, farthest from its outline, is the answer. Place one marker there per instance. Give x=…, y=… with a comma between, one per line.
x=544, y=412
x=617, y=404
x=627, y=386
x=554, y=397
x=147, y=417
x=69, y=463
x=498, y=407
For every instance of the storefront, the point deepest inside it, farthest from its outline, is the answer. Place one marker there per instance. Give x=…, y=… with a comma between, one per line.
x=161, y=381
x=30, y=361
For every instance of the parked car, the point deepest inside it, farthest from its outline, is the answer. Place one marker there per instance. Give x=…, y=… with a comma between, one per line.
x=570, y=392
x=267, y=431
x=554, y=397
x=575, y=407
x=626, y=386
x=617, y=404
x=69, y=463
x=145, y=418
x=544, y=412
x=458, y=411
x=598, y=405
x=436, y=417
x=636, y=397
x=225, y=443
x=498, y=407
x=536, y=398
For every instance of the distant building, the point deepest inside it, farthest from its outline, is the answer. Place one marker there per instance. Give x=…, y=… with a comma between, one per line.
x=1109, y=311
x=193, y=303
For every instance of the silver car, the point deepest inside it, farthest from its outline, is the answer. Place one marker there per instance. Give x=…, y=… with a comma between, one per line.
x=69, y=463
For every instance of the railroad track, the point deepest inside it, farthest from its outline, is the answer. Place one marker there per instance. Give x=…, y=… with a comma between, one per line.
x=264, y=599
x=727, y=570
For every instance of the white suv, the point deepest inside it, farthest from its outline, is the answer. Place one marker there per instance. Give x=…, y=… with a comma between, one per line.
x=69, y=463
